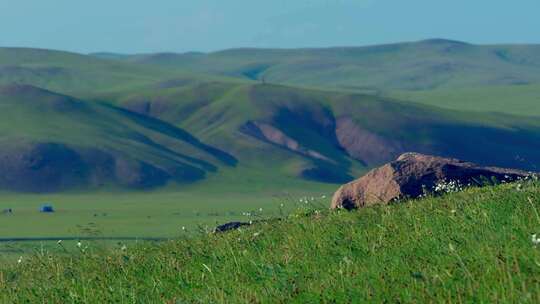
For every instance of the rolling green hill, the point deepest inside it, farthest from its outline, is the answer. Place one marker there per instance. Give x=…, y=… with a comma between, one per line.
x=52, y=142
x=309, y=134
x=513, y=99
x=77, y=74
x=331, y=128
x=461, y=76
x=428, y=64
x=68, y=72
x=140, y=105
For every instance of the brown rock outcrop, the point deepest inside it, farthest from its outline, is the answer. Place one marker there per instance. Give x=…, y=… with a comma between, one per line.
x=411, y=175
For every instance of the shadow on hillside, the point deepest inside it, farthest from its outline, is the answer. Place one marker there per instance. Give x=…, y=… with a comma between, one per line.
x=174, y=132
x=516, y=148
x=147, y=141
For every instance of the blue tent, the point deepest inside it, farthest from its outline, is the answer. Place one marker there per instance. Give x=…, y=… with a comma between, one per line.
x=46, y=208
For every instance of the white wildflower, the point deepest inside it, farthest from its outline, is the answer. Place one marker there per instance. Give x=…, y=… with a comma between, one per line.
x=59, y=242
x=448, y=187
x=79, y=244
x=19, y=260
x=535, y=240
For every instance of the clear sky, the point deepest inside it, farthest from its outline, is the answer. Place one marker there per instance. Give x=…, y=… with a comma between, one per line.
x=135, y=26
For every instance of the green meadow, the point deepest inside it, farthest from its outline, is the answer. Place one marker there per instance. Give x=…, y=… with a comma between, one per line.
x=164, y=213
x=523, y=100
x=132, y=214
x=108, y=219
x=472, y=246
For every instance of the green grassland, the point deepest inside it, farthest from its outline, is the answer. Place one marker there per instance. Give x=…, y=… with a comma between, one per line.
x=472, y=246
x=82, y=75
x=522, y=100
x=112, y=216
x=422, y=65
x=158, y=213
x=199, y=127
x=444, y=73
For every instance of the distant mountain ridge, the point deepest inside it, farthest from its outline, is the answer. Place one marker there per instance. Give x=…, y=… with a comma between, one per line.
x=427, y=64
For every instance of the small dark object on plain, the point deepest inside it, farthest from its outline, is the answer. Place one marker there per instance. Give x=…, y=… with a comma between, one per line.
x=7, y=211
x=230, y=226
x=46, y=209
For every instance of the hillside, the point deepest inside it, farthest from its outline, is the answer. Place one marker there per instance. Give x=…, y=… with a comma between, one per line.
x=160, y=114
x=473, y=246
x=523, y=100
x=443, y=73
x=307, y=134
x=331, y=128
x=77, y=74
x=53, y=142
x=427, y=64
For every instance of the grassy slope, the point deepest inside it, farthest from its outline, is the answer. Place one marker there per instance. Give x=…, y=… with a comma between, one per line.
x=33, y=115
x=86, y=124
x=473, y=246
x=521, y=100
x=487, y=78
x=77, y=74
x=215, y=111
x=68, y=72
x=213, y=108
x=91, y=78
x=419, y=65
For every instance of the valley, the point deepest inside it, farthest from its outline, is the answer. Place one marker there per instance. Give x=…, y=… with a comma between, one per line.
x=88, y=132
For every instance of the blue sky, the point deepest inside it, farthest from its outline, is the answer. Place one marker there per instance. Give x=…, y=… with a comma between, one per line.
x=135, y=26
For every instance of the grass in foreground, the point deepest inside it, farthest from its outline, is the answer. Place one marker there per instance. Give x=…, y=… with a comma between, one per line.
x=473, y=246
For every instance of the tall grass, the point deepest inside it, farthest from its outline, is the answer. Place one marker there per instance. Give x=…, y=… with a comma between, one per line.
x=473, y=246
